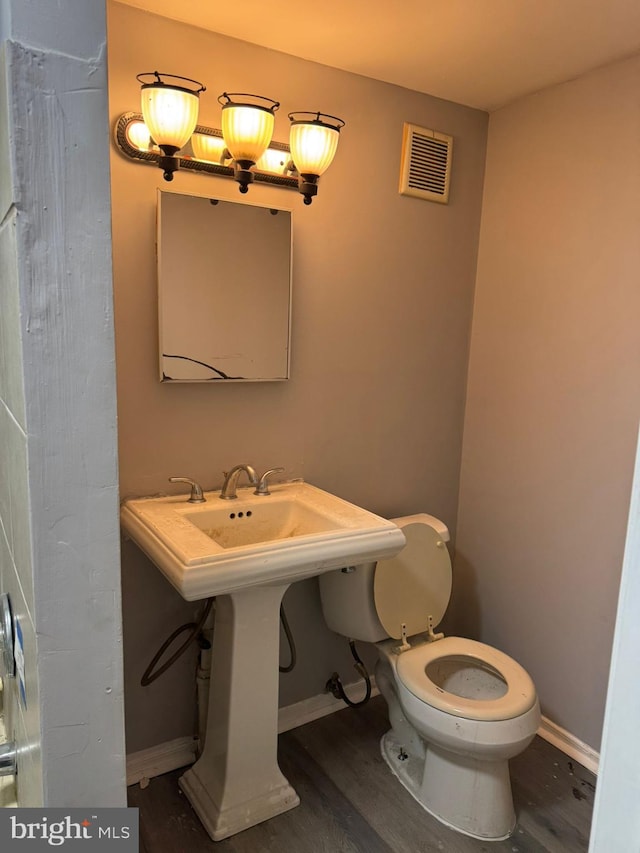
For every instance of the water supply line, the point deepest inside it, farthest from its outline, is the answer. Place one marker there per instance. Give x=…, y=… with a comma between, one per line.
x=334, y=684
x=200, y=628
x=202, y=632
x=293, y=656
x=203, y=679
x=195, y=627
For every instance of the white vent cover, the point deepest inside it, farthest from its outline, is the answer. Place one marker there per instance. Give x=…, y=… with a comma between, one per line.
x=426, y=163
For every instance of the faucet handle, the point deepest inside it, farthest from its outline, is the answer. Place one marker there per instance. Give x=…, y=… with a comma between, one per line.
x=263, y=485
x=196, y=496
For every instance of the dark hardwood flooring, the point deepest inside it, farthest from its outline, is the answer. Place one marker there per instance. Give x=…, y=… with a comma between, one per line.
x=350, y=802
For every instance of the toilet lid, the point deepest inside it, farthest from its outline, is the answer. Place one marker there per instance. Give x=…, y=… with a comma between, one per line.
x=415, y=584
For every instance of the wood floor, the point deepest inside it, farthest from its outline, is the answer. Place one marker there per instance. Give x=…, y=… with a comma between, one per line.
x=350, y=802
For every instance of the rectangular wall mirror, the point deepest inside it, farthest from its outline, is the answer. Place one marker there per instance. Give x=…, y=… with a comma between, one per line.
x=224, y=290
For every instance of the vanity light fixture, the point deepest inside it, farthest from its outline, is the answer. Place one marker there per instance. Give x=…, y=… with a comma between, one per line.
x=170, y=112
x=313, y=140
x=168, y=135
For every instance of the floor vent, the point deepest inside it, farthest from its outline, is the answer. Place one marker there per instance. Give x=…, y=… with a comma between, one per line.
x=426, y=163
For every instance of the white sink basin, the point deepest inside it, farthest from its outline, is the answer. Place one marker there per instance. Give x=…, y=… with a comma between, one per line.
x=221, y=547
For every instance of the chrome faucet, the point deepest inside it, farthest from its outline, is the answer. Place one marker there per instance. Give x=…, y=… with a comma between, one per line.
x=228, y=492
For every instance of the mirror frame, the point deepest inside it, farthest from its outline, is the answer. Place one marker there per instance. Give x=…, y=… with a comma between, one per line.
x=223, y=379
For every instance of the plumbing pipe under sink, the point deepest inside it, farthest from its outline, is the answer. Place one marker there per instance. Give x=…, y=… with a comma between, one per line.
x=203, y=678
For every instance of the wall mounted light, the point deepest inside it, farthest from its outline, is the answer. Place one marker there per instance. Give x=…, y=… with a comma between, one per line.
x=247, y=128
x=170, y=111
x=314, y=141
x=167, y=134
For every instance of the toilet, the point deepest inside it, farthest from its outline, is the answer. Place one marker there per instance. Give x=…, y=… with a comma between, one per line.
x=459, y=709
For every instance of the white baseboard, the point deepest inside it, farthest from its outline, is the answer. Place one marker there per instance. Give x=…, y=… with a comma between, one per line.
x=569, y=744
x=308, y=710
x=147, y=763
x=144, y=765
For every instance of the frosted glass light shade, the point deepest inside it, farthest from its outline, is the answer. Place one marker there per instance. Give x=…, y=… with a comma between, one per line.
x=170, y=111
x=171, y=114
x=247, y=130
x=313, y=146
x=138, y=135
x=273, y=160
x=207, y=147
x=313, y=141
x=247, y=125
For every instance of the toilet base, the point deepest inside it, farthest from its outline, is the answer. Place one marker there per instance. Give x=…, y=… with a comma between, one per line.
x=470, y=796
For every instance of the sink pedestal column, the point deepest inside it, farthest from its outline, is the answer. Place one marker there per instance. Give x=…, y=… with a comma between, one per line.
x=236, y=782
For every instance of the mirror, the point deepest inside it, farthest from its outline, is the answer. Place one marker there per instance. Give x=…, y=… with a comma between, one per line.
x=224, y=290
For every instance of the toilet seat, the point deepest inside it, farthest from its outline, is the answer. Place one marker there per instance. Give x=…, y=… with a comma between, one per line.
x=519, y=696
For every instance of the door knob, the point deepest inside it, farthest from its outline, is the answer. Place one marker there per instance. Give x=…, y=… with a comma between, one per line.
x=8, y=759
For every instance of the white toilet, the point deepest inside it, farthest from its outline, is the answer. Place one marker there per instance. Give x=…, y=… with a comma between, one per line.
x=459, y=709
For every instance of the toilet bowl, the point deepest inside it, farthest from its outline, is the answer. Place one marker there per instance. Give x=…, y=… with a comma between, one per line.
x=459, y=709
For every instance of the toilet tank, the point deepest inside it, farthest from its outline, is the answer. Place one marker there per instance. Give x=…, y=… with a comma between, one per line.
x=348, y=604
x=347, y=595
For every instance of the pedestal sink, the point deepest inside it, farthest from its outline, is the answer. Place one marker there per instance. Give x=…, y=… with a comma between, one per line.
x=246, y=552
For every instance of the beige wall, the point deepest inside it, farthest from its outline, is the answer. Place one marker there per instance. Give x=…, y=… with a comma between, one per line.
x=554, y=392
x=383, y=289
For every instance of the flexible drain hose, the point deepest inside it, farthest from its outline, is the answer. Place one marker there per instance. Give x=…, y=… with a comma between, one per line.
x=195, y=627
x=334, y=685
